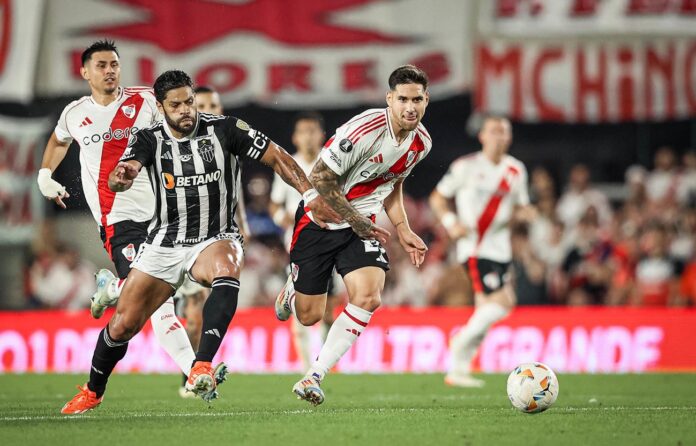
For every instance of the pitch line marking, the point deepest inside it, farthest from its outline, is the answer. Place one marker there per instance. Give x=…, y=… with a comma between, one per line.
x=308, y=411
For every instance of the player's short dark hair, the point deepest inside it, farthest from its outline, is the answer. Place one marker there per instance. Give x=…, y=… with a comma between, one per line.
x=204, y=89
x=408, y=74
x=169, y=80
x=310, y=116
x=99, y=45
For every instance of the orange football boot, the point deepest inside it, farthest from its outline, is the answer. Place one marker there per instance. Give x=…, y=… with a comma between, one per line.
x=201, y=379
x=82, y=402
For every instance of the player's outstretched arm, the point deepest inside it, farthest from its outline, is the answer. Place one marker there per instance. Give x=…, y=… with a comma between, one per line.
x=325, y=181
x=444, y=212
x=287, y=168
x=121, y=178
x=409, y=240
x=53, y=155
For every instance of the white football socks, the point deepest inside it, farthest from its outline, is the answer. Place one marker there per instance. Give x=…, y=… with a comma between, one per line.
x=172, y=336
x=465, y=343
x=343, y=333
x=302, y=339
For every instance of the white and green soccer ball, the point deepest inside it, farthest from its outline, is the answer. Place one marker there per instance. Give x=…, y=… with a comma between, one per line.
x=532, y=387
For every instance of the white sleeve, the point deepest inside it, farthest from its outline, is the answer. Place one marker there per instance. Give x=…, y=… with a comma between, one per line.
x=61, y=130
x=341, y=154
x=522, y=188
x=453, y=179
x=278, y=190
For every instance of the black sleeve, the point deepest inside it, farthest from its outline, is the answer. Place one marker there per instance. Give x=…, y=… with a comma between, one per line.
x=141, y=147
x=242, y=140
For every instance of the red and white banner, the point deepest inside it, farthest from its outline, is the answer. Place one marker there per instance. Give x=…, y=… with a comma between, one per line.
x=280, y=53
x=20, y=33
x=587, y=81
x=21, y=204
x=603, y=340
x=549, y=19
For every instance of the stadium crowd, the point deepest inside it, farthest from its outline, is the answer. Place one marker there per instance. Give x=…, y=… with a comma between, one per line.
x=581, y=249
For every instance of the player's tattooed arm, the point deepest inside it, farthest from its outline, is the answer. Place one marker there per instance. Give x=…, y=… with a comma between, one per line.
x=325, y=181
x=286, y=167
x=289, y=171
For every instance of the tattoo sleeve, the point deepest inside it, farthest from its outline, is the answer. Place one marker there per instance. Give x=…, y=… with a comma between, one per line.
x=325, y=182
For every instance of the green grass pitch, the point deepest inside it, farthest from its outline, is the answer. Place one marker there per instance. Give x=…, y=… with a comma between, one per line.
x=359, y=409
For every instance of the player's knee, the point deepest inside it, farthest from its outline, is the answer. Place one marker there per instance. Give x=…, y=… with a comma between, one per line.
x=124, y=328
x=225, y=269
x=369, y=301
x=309, y=318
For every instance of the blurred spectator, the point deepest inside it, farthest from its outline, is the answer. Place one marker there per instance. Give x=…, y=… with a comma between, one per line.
x=529, y=271
x=656, y=273
x=60, y=278
x=587, y=267
x=686, y=192
x=579, y=197
x=661, y=183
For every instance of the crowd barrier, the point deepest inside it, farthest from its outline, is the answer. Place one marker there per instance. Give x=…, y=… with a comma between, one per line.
x=594, y=340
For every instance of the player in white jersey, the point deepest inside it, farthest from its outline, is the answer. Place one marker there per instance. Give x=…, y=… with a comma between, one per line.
x=308, y=137
x=475, y=202
x=360, y=172
x=102, y=124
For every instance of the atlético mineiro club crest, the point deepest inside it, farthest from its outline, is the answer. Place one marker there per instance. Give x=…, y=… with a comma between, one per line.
x=128, y=110
x=206, y=149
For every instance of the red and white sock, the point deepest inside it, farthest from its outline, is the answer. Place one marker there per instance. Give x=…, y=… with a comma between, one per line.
x=343, y=333
x=171, y=335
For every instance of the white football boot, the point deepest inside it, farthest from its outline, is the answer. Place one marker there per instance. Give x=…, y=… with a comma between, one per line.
x=100, y=299
x=282, y=303
x=309, y=389
x=458, y=380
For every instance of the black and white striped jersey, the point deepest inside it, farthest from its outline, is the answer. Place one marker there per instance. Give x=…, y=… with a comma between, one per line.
x=195, y=178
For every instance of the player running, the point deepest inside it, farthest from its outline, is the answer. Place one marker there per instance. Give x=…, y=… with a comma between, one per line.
x=475, y=202
x=191, y=296
x=360, y=172
x=308, y=137
x=101, y=124
x=192, y=160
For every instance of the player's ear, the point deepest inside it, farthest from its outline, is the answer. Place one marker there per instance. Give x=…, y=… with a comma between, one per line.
x=390, y=95
x=83, y=73
x=427, y=97
x=160, y=108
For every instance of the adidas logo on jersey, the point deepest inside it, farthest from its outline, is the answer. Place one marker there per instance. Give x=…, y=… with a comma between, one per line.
x=377, y=159
x=85, y=122
x=213, y=332
x=166, y=156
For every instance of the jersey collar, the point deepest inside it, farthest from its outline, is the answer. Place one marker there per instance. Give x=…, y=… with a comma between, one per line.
x=115, y=101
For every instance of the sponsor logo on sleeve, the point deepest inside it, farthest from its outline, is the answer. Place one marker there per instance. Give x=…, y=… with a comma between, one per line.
x=335, y=158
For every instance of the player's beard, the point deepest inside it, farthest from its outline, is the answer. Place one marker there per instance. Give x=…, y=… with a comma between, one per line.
x=174, y=125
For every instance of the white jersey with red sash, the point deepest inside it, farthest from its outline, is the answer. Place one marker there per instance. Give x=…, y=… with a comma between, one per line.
x=485, y=195
x=365, y=153
x=102, y=133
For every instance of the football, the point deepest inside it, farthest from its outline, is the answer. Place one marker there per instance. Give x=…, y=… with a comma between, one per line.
x=532, y=387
